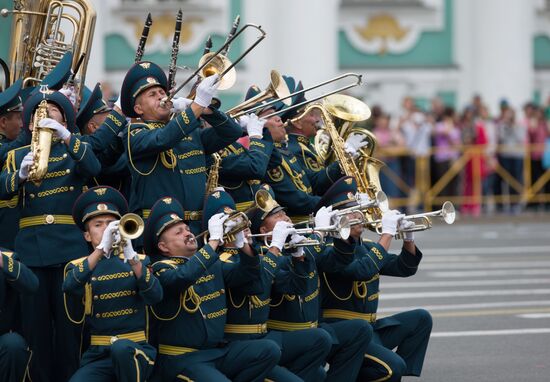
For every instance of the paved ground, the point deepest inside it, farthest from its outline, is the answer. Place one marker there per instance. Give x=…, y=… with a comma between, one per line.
x=487, y=284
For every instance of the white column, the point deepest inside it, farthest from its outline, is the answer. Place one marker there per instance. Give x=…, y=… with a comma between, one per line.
x=501, y=56
x=301, y=39
x=96, y=64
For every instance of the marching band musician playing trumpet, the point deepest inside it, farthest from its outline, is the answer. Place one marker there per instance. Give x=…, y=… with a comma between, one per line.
x=352, y=292
x=294, y=312
x=303, y=351
x=48, y=237
x=168, y=156
x=115, y=285
x=193, y=313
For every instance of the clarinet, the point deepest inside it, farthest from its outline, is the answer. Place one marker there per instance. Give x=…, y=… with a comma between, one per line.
x=231, y=34
x=143, y=39
x=175, y=49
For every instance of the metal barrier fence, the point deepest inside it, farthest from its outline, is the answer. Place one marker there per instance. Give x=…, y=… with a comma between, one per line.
x=426, y=191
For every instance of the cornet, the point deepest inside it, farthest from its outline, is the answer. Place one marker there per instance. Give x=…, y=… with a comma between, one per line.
x=241, y=223
x=447, y=213
x=130, y=227
x=341, y=229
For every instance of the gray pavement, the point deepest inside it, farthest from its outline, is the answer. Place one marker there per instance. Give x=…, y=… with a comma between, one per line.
x=487, y=284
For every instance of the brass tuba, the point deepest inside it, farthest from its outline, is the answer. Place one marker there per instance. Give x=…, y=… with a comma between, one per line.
x=43, y=31
x=41, y=143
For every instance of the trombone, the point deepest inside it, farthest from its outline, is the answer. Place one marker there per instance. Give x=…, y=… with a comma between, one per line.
x=447, y=213
x=341, y=229
x=357, y=82
x=216, y=62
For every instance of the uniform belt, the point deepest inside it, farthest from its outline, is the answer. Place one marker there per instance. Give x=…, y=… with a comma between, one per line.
x=246, y=329
x=188, y=215
x=109, y=340
x=174, y=350
x=45, y=220
x=348, y=315
x=243, y=206
x=290, y=326
x=299, y=218
x=11, y=203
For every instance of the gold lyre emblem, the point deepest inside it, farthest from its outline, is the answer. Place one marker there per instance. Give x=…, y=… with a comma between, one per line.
x=100, y=191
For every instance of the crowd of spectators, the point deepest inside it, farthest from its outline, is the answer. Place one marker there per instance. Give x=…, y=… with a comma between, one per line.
x=442, y=135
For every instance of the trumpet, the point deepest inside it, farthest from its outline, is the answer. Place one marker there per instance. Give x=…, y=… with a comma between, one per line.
x=130, y=227
x=381, y=202
x=447, y=213
x=217, y=63
x=241, y=222
x=340, y=229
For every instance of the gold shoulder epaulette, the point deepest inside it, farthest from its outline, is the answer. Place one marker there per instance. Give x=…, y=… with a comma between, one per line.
x=78, y=261
x=7, y=253
x=226, y=257
x=172, y=263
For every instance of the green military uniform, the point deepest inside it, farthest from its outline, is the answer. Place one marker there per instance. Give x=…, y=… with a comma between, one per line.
x=114, y=301
x=105, y=141
x=352, y=293
x=10, y=102
x=15, y=355
x=242, y=166
x=302, y=351
x=296, y=187
x=169, y=158
x=193, y=313
x=48, y=239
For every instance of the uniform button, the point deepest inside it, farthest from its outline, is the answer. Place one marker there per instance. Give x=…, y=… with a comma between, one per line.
x=131, y=273
x=96, y=297
x=181, y=171
x=97, y=315
x=49, y=219
x=71, y=188
x=65, y=155
x=68, y=171
x=133, y=292
x=222, y=291
x=94, y=278
x=32, y=196
x=134, y=311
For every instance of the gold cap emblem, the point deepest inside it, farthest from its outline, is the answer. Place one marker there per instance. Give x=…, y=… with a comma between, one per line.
x=174, y=217
x=348, y=180
x=167, y=200
x=100, y=191
x=101, y=207
x=227, y=209
x=152, y=80
x=145, y=65
x=216, y=195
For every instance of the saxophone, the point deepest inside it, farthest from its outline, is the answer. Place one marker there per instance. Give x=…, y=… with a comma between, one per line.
x=41, y=143
x=214, y=174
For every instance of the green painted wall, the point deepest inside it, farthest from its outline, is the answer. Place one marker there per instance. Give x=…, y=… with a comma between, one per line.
x=541, y=51
x=433, y=49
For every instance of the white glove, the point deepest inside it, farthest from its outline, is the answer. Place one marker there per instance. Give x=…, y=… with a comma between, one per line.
x=295, y=239
x=60, y=131
x=390, y=221
x=354, y=143
x=243, y=120
x=255, y=125
x=229, y=225
x=215, y=226
x=69, y=93
x=280, y=233
x=108, y=238
x=404, y=225
x=180, y=104
x=26, y=164
x=323, y=217
x=129, y=253
x=239, y=239
x=363, y=198
x=206, y=90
